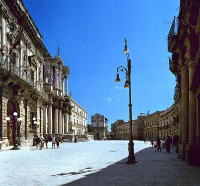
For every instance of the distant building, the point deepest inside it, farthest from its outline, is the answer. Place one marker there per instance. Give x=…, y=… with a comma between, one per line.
x=151, y=126
x=123, y=131
x=120, y=130
x=114, y=131
x=162, y=124
x=99, y=126
x=138, y=127
x=78, y=118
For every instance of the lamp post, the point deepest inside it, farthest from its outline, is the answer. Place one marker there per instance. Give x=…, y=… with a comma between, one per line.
x=131, y=157
x=16, y=122
x=34, y=126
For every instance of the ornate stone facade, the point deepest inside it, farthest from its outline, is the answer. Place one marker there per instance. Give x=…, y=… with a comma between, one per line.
x=162, y=124
x=183, y=43
x=99, y=126
x=32, y=97
x=78, y=118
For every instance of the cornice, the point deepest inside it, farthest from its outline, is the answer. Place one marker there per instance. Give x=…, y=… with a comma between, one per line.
x=18, y=10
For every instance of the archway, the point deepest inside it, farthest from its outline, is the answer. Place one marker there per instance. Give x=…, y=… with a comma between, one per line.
x=12, y=106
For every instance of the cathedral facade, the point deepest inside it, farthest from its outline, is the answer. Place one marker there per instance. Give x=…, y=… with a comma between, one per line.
x=33, y=85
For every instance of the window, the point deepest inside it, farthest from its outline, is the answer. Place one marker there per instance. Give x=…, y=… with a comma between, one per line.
x=32, y=74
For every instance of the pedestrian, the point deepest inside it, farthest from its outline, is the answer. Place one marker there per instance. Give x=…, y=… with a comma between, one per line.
x=37, y=141
x=53, y=142
x=57, y=142
x=175, y=142
x=75, y=140
x=158, y=144
x=46, y=141
x=151, y=143
x=168, y=142
x=41, y=141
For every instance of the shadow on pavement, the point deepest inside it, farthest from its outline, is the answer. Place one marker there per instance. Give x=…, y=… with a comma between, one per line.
x=152, y=168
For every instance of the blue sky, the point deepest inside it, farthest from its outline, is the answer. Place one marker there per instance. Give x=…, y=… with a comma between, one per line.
x=90, y=34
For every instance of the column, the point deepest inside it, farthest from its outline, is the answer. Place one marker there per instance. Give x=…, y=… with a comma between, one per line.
x=192, y=108
x=185, y=103
x=66, y=123
x=50, y=119
x=60, y=122
x=184, y=112
x=60, y=80
x=56, y=121
x=45, y=120
x=180, y=122
x=1, y=123
x=66, y=84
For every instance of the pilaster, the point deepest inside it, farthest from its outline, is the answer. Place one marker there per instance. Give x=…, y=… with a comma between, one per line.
x=192, y=108
x=50, y=119
x=185, y=103
x=56, y=121
x=45, y=120
x=60, y=122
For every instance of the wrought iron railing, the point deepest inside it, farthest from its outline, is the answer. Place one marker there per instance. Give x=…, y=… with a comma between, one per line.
x=11, y=67
x=170, y=62
x=173, y=30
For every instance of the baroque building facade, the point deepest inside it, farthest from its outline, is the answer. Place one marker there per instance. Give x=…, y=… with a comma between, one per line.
x=123, y=130
x=162, y=124
x=78, y=120
x=32, y=83
x=120, y=130
x=99, y=126
x=138, y=127
x=183, y=43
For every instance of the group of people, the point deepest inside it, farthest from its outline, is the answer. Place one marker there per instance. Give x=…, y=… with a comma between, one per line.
x=40, y=141
x=168, y=143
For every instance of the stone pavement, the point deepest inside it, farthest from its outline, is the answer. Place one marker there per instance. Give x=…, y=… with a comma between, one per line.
x=152, y=168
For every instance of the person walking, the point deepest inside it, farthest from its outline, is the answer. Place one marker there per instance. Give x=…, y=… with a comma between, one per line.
x=53, y=142
x=46, y=141
x=41, y=141
x=57, y=142
x=152, y=142
x=168, y=142
x=158, y=144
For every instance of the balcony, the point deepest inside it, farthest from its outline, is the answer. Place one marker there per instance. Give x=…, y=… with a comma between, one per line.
x=173, y=63
x=10, y=69
x=173, y=40
x=7, y=67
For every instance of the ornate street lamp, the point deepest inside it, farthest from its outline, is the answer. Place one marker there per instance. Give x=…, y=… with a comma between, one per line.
x=17, y=121
x=131, y=157
x=34, y=127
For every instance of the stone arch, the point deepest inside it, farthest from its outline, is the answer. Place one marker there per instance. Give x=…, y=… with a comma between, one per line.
x=12, y=106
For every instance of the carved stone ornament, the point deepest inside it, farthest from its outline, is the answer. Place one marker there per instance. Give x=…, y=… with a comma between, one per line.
x=14, y=29
x=49, y=76
x=4, y=50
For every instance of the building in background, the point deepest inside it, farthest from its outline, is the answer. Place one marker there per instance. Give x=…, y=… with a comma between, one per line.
x=78, y=118
x=123, y=130
x=151, y=126
x=99, y=126
x=162, y=124
x=114, y=131
x=138, y=127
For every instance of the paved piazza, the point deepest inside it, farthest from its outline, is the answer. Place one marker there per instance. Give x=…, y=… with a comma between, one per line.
x=30, y=166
